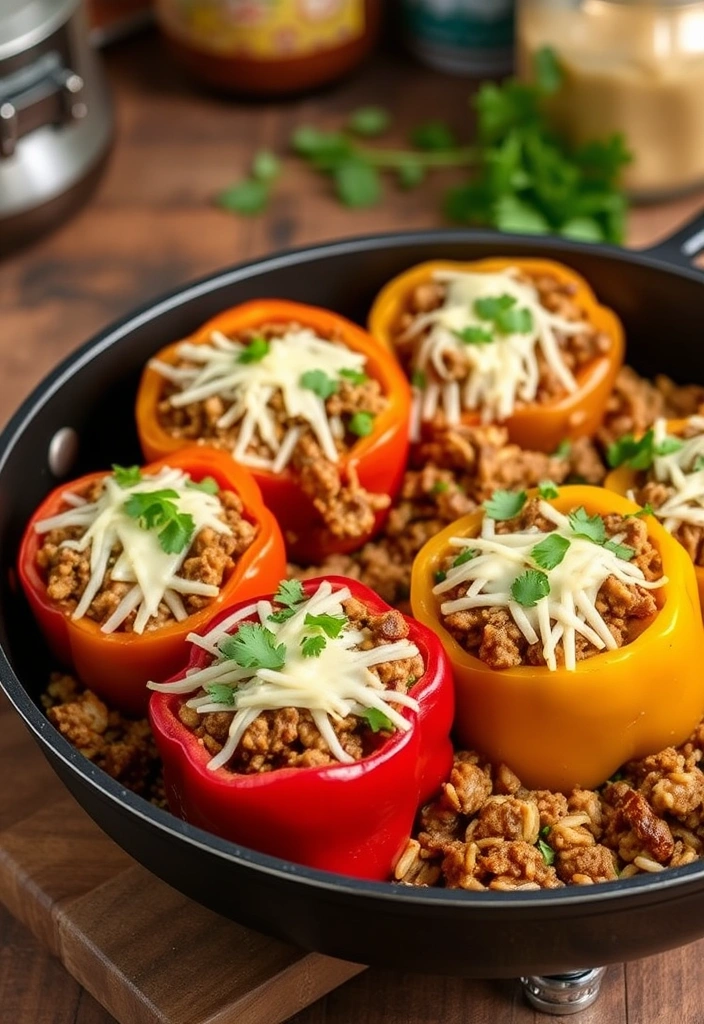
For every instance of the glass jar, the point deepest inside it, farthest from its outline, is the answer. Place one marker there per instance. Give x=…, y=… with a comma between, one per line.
x=630, y=66
x=269, y=47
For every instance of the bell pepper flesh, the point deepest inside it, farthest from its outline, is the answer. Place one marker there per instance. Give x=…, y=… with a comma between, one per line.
x=624, y=479
x=117, y=666
x=379, y=459
x=561, y=729
x=353, y=819
x=539, y=426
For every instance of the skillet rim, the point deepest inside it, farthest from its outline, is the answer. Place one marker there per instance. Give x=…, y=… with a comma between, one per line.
x=658, y=886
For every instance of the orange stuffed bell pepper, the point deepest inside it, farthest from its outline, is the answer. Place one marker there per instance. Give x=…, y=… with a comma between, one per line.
x=307, y=400
x=574, y=631
x=120, y=567
x=522, y=342
x=663, y=470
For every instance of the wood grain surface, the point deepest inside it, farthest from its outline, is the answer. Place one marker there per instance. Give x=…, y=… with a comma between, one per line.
x=151, y=226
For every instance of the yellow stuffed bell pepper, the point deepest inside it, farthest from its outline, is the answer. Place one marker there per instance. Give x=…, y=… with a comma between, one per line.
x=562, y=728
x=633, y=464
x=541, y=422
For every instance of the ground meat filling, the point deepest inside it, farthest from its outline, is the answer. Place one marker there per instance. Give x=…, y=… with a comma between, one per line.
x=347, y=509
x=211, y=559
x=492, y=635
x=577, y=350
x=288, y=737
x=484, y=830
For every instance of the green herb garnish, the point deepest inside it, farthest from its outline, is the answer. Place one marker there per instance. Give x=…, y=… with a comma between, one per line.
x=589, y=527
x=550, y=551
x=313, y=646
x=433, y=137
x=440, y=487
x=439, y=576
x=418, y=379
x=377, y=720
x=255, y=351
x=465, y=556
x=254, y=646
x=647, y=510
x=319, y=383
x=251, y=195
x=221, y=693
x=331, y=625
x=623, y=551
x=474, y=335
x=529, y=588
x=126, y=476
x=361, y=424
x=547, y=852
x=290, y=593
x=563, y=450
x=369, y=121
x=354, y=376
x=547, y=489
x=208, y=485
x=640, y=453
x=504, y=505
x=156, y=510
x=506, y=316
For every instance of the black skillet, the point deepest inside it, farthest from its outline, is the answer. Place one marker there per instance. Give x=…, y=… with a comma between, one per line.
x=660, y=298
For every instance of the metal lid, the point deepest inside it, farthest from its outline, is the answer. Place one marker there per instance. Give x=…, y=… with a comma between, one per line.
x=24, y=23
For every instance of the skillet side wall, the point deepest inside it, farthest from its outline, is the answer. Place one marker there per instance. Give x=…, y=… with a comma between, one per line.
x=663, y=312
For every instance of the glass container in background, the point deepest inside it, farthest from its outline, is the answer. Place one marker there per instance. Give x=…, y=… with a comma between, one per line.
x=461, y=37
x=269, y=47
x=630, y=66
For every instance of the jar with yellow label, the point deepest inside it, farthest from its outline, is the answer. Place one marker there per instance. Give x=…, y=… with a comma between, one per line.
x=269, y=47
x=630, y=66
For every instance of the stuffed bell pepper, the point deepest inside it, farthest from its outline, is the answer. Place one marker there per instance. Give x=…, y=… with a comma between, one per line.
x=663, y=471
x=305, y=399
x=522, y=342
x=119, y=567
x=573, y=626
x=309, y=725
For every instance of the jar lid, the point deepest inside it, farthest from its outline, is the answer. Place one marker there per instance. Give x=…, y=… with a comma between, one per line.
x=24, y=23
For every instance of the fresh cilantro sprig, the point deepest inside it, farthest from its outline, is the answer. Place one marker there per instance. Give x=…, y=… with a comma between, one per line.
x=593, y=528
x=639, y=453
x=126, y=476
x=530, y=587
x=157, y=510
x=361, y=423
x=313, y=646
x=504, y=505
x=221, y=693
x=647, y=510
x=319, y=383
x=255, y=351
x=290, y=594
x=547, y=852
x=550, y=551
x=331, y=625
x=208, y=485
x=475, y=335
x=505, y=315
x=253, y=646
x=547, y=490
x=354, y=376
x=377, y=720
x=251, y=195
x=466, y=556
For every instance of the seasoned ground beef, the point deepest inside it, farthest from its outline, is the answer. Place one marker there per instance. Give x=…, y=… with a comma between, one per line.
x=346, y=508
x=492, y=635
x=485, y=830
x=288, y=737
x=211, y=559
x=635, y=404
x=577, y=350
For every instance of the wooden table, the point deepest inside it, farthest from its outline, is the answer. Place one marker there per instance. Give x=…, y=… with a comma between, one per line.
x=152, y=226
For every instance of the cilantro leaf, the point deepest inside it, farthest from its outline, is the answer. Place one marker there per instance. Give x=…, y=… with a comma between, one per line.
x=247, y=197
x=411, y=173
x=156, y=510
x=668, y=445
x=290, y=593
x=548, y=73
x=589, y=527
x=361, y=423
x=331, y=625
x=208, y=484
x=357, y=183
x=126, y=476
x=221, y=693
x=433, y=136
x=313, y=646
x=325, y=150
x=529, y=588
x=623, y=551
x=369, y=121
x=636, y=453
x=514, y=321
x=418, y=379
x=253, y=646
x=354, y=376
x=547, y=852
x=440, y=487
x=465, y=556
x=377, y=720
x=647, y=510
x=266, y=166
x=489, y=307
x=550, y=551
x=698, y=464
x=504, y=505
x=563, y=450
x=319, y=383
x=255, y=351
x=176, y=534
x=440, y=576
x=474, y=335
x=547, y=489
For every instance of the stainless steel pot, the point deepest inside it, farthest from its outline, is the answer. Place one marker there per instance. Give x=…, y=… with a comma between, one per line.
x=55, y=116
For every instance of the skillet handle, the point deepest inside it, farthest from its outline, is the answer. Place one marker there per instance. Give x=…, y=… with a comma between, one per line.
x=681, y=247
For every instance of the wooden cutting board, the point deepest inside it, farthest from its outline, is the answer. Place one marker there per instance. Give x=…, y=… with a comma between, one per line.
x=147, y=953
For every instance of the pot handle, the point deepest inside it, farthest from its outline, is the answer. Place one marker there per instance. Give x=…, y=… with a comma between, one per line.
x=681, y=247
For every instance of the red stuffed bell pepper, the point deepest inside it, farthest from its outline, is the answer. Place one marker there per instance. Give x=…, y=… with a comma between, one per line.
x=309, y=726
x=102, y=608
x=307, y=400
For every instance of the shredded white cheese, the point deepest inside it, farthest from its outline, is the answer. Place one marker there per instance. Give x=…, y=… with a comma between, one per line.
x=677, y=470
x=247, y=389
x=142, y=560
x=499, y=373
x=335, y=684
x=570, y=607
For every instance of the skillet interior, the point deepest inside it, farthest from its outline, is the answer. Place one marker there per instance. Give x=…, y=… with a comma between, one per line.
x=472, y=934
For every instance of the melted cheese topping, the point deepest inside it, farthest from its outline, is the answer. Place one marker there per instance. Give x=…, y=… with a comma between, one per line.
x=501, y=372
x=142, y=561
x=331, y=686
x=570, y=607
x=248, y=388
x=677, y=471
